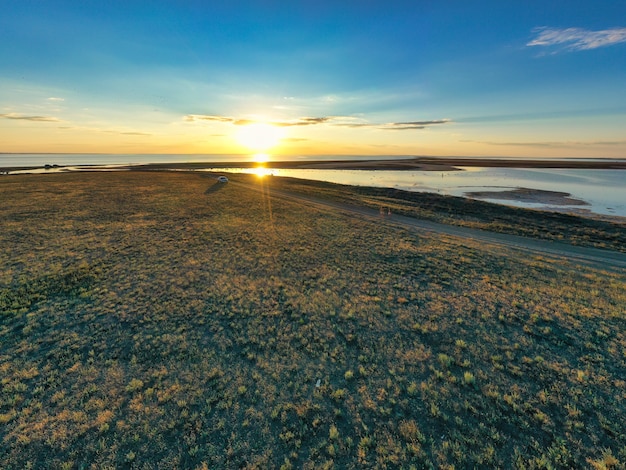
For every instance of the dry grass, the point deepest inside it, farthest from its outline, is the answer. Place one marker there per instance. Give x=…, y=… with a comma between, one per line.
x=154, y=320
x=473, y=213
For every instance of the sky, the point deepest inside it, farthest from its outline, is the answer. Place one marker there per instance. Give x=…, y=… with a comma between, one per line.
x=325, y=77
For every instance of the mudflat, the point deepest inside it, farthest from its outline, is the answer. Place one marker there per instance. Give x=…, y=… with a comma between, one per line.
x=530, y=195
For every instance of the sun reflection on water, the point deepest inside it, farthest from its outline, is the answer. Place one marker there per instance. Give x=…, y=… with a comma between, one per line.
x=262, y=171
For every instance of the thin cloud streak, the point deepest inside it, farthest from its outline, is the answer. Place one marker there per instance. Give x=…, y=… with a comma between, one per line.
x=105, y=131
x=145, y=134
x=402, y=126
x=305, y=121
x=577, y=39
x=203, y=117
x=572, y=144
x=23, y=117
x=337, y=121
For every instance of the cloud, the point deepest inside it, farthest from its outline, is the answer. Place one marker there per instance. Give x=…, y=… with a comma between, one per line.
x=104, y=131
x=54, y=98
x=243, y=122
x=338, y=121
x=403, y=126
x=23, y=117
x=569, y=144
x=576, y=39
x=203, y=117
x=304, y=121
x=121, y=132
x=354, y=124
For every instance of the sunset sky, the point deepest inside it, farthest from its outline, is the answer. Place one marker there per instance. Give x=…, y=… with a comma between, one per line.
x=476, y=78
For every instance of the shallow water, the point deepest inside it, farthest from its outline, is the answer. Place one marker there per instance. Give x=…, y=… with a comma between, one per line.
x=8, y=160
x=603, y=190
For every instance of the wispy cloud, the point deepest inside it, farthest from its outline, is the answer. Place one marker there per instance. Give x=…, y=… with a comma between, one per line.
x=54, y=98
x=204, y=117
x=305, y=121
x=548, y=144
x=134, y=133
x=24, y=117
x=105, y=131
x=337, y=121
x=119, y=132
x=404, y=126
x=576, y=39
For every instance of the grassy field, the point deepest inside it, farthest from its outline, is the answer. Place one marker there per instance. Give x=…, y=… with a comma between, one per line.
x=473, y=213
x=159, y=320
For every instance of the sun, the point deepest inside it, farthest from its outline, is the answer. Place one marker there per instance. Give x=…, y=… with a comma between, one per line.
x=259, y=137
x=260, y=158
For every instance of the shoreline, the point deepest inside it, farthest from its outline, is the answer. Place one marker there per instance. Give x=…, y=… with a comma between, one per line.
x=553, y=201
x=529, y=195
x=409, y=164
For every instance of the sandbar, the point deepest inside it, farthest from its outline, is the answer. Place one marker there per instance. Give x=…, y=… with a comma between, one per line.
x=529, y=195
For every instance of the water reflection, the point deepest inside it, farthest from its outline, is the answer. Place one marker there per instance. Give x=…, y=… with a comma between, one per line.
x=603, y=190
x=261, y=171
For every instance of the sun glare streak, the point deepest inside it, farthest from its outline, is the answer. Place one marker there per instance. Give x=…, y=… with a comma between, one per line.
x=266, y=197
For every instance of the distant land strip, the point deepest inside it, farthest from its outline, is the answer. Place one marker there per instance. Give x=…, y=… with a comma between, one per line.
x=395, y=164
x=418, y=163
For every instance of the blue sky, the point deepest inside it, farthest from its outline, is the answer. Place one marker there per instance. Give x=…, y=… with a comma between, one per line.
x=522, y=78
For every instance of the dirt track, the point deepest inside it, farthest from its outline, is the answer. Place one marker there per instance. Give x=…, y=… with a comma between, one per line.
x=604, y=259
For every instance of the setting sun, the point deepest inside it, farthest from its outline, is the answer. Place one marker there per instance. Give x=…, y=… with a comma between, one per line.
x=259, y=136
x=260, y=158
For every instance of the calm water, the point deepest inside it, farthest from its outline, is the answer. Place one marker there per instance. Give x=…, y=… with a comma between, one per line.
x=603, y=190
x=38, y=159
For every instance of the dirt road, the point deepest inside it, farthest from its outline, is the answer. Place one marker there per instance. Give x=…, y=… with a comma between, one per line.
x=603, y=259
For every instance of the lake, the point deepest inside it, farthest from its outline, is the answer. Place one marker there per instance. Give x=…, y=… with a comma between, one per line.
x=603, y=191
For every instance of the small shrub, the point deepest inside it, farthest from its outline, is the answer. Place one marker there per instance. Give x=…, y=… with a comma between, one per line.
x=468, y=378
